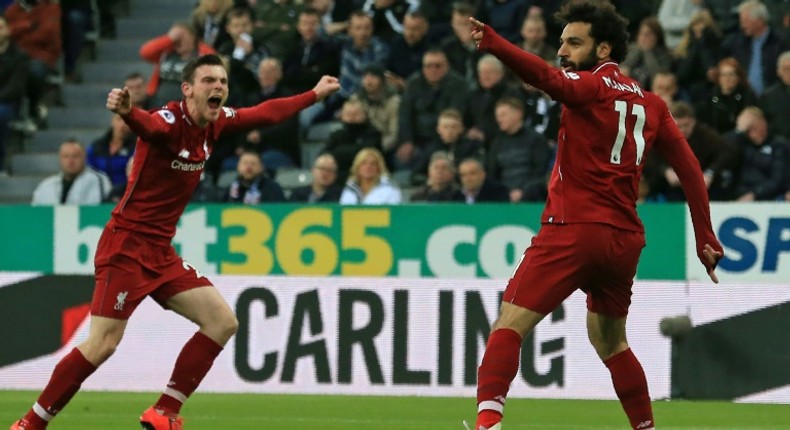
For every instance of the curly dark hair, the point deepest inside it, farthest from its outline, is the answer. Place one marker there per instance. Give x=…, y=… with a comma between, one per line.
x=606, y=25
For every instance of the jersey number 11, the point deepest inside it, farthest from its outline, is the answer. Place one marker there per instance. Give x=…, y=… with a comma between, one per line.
x=638, y=111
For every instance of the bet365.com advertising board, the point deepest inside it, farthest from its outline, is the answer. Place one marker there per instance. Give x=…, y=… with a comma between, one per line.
x=443, y=241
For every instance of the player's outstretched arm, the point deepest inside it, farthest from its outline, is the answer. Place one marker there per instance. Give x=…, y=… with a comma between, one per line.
x=119, y=101
x=325, y=87
x=712, y=256
x=478, y=29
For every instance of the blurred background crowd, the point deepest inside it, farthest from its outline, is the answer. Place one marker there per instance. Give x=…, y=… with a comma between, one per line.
x=421, y=116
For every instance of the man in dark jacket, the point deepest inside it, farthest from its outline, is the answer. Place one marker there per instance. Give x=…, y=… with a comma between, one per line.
x=476, y=187
x=717, y=157
x=355, y=133
x=756, y=31
x=775, y=101
x=762, y=158
x=252, y=186
x=427, y=94
x=324, y=188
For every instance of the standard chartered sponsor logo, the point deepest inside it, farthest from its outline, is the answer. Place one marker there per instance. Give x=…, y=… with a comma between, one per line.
x=186, y=167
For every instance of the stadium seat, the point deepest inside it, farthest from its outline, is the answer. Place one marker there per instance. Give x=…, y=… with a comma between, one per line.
x=292, y=178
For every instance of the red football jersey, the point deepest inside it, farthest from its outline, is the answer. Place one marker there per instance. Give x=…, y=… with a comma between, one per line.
x=170, y=155
x=608, y=125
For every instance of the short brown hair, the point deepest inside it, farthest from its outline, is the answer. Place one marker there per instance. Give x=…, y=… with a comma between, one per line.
x=682, y=109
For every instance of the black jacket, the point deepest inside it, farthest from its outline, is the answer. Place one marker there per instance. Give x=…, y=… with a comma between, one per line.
x=303, y=195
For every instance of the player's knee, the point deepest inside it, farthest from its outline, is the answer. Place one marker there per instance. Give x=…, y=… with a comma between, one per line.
x=606, y=350
x=226, y=326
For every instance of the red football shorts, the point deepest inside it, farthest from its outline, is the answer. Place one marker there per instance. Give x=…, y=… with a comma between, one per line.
x=597, y=258
x=129, y=268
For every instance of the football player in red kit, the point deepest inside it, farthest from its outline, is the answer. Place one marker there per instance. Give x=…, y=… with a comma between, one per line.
x=591, y=237
x=135, y=258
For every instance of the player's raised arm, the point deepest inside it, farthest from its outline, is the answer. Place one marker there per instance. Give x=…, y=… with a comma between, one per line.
x=566, y=86
x=277, y=110
x=119, y=101
x=325, y=87
x=143, y=124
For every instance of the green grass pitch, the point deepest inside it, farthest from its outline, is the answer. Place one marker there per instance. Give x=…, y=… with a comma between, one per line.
x=207, y=411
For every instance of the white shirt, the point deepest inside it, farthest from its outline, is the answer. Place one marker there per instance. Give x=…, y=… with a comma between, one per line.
x=90, y=187
x=383, y=193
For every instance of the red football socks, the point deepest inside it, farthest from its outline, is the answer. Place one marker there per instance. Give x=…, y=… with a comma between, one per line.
x=496, y=372
x=192, y=365
x=66, y=379
x=631, y=387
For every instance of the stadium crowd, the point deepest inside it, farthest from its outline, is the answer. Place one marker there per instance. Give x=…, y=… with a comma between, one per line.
x=422, y=115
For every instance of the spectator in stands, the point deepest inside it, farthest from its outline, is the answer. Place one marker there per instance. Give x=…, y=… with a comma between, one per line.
x=310, y=55
x=35, y=28
x=762, y=158
x=439, y=14
x=76, y=184
x=665, y=85
x=724, y=13
x=491, y=86
x=649, y=55
x=388, y=16
x=369, y=182
x=135, y=83
x=240, y=47
x=775, y=101
x=461, y=50
x=207, y=192
x=324, y=188
x=278, y=144
x=541, y=112
x=697, y=54
x=407, y=49
x=756, y=32
x=533, y=33
x=118, y=190
x=731, y=94
x=440, y=185
x=253, y=186
x=717, y=157
x=170, y=53
x=451, y=141
x=427, y=94
x=381, y=103
x=75, y=23
x=106, y=10
x=504, y=16
x=13, y=78
x=519, y=157
x=476, y=187
x=358, y=50
x=674, y=17
x=333, y=14
x=275, y=23
x=111, y=153
x=355, y=134
x=208, y=21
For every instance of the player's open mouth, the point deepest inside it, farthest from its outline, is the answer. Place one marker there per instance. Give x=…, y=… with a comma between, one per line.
x=214, y=102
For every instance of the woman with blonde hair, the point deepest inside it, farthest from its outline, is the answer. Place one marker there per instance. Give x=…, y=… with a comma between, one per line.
x=369, y=182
